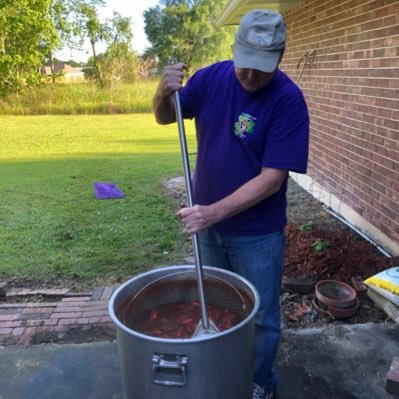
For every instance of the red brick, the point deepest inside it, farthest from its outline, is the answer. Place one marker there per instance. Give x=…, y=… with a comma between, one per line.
x=106, y=319
x=10, y=306
x=66, y=309
x=96, y=295
x=57, y=292
x=16, y=332
x=50, y=322
x=102, y=308
x=71, y=304
x=32, y=310
x=84, y=320
x=98, y=303
x=34, y=323
x=41, y=305
x=26, y=336
x=7, y=317
x=68, y=315
x=76, y=299
x=107, y=293
x=94, y=320
x=94, y=313
x=34, y=316
x=11, y=324
x=65, y=322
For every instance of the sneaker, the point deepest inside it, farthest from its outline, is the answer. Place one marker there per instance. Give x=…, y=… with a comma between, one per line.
x=260, y=393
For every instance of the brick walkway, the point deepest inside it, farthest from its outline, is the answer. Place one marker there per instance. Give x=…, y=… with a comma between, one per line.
x=28, y=317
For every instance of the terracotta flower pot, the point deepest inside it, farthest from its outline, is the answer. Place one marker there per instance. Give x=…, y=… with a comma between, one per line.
x=336, y=294
x=344, y=313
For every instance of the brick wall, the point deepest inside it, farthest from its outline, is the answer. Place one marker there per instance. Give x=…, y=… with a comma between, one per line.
x=352, y=91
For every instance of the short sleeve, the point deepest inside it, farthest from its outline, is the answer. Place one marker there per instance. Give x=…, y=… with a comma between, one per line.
x=191, y=95
x=288, y=138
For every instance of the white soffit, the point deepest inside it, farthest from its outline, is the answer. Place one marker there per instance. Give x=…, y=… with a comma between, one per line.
x=235, y=9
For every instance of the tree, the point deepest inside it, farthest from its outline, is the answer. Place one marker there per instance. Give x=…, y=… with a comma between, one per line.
x=119, y=63
x=87, y=24
x=26, y=34
x=147, y=65
x=59, y=11
x=186, y=30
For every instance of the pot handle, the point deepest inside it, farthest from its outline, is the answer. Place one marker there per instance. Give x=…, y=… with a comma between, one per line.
x=169, y=370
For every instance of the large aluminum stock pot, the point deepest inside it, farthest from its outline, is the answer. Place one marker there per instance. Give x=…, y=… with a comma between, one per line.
x=209, y=366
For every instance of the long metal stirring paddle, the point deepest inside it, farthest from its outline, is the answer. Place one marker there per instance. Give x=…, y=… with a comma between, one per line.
x=205, y=326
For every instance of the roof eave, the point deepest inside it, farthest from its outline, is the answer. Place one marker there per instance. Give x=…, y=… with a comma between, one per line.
x=235, y=9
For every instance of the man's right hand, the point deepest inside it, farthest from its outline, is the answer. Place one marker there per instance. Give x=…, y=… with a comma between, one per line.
x=172, y=78
x=163, y=104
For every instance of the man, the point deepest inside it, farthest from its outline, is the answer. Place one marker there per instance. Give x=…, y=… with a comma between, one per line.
x=252, y=129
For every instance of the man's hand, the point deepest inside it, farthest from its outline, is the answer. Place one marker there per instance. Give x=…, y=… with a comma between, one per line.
x=172, y=79
x=251, y=193
x=197, y=218
x=163, y=104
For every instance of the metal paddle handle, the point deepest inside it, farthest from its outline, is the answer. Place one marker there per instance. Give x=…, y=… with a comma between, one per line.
x=187, y=177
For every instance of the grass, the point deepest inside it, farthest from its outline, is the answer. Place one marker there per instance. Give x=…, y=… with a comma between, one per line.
x=51, y=225
x=78, y=99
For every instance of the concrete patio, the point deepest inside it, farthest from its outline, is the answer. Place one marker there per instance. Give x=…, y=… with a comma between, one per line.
x=340, y=362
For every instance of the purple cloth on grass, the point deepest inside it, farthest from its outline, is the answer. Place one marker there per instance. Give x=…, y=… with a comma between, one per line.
x=107, y=191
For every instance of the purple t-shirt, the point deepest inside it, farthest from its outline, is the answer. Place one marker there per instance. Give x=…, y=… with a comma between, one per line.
x=238, y=133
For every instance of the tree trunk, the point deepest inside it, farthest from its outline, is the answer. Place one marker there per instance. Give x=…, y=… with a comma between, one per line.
x=96, y=70
x=52, y=67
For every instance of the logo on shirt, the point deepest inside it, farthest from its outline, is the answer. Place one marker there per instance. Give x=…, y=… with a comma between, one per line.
x=245, y=125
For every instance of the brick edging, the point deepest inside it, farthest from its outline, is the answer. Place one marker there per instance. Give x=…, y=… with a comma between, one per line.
x=21, y=321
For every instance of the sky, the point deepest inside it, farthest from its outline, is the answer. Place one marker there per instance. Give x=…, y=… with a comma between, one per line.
x=127, y=8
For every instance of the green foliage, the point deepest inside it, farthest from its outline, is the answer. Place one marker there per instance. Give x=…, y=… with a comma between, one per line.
x=320, y=245
x=30, y=31
x=26, y=35
x=186, y=30
x=52, y=226
x=88, y=25
x=119, y=63
x=305, y=227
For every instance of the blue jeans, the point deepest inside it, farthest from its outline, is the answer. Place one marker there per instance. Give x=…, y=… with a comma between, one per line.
x=260, y=260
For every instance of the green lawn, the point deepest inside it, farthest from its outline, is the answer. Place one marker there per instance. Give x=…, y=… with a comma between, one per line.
x=51, y=224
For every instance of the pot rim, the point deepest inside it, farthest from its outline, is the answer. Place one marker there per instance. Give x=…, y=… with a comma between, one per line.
x=199, y=338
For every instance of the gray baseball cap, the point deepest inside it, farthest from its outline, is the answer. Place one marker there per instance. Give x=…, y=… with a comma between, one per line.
x=259, y=41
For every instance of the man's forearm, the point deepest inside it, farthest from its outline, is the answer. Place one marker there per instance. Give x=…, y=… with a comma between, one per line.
x=200, y=217
x=164, y=108
x=256, y=190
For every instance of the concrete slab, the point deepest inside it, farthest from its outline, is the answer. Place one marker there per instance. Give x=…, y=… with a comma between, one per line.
x=340, y=362
x=337, y=362
x=84, y=371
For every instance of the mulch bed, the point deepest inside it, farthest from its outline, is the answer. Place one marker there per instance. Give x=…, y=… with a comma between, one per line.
x=324, y=255
x=345, y=256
